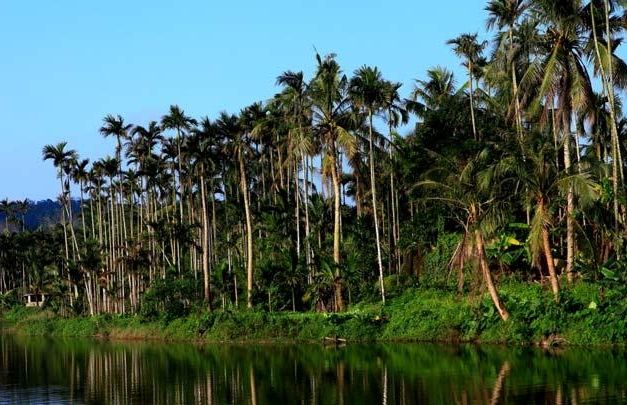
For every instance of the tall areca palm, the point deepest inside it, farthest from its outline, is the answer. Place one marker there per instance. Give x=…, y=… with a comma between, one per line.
x=331, y=123
x=367, y=91
x=80, y=175
x=204, y=149
x=296, y=102
x=177, y=120
x=468, y=47
x=396, y=113
x=60, y=157
x=235, y=130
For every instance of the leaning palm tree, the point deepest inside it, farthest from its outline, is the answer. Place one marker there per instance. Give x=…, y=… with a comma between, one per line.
x=470, y=49
x=367, y=91
x=479, y=207
x=331, y=124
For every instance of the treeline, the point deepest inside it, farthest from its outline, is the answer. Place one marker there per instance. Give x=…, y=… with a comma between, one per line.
x=27, y=214
x=311, y=200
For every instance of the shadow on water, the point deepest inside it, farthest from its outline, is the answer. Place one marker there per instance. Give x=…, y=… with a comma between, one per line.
x=40, y=370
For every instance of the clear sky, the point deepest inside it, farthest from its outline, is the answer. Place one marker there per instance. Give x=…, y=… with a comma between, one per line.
x=65, y=64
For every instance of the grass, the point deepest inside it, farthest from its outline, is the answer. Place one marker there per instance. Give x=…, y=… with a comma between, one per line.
x=587, y=314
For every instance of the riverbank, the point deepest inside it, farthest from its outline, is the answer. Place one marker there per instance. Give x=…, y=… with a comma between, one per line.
x=586, y=315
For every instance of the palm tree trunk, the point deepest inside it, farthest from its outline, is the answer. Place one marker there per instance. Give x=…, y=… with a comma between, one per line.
x=339, y=302
x=487, y=277
x=307, y=229
x=550, y=264
x=249, y=233
x=472, y=103
x=608, y=89
x=515, y=88
x=373, y=190
x=205, y=241
x=570, y=204
x=297, y=207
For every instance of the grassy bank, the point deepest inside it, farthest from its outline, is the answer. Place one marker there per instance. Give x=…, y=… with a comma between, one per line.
x=586, y=315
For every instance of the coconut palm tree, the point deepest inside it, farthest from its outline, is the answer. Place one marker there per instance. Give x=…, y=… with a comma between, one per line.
x=542, y=183
x=478, y=205
x=505, y=14
x=440, y=84
x=558, y=77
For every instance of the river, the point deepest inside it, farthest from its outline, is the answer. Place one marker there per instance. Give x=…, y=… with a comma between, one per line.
x=57, y=371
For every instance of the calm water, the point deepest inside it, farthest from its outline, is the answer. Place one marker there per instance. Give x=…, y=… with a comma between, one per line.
x=39, y=370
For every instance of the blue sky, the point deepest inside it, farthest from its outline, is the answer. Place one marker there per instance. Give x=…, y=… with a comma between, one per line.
x=66, y=64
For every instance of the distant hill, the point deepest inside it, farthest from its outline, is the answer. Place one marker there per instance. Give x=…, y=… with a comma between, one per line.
x=40, y=213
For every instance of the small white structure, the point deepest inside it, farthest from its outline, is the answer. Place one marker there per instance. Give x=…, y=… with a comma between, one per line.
x=34, y=300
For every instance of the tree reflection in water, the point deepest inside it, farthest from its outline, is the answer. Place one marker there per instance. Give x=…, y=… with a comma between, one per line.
x=47, y=370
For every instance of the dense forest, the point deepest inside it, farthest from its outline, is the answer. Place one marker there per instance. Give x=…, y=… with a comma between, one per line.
x=312, y=200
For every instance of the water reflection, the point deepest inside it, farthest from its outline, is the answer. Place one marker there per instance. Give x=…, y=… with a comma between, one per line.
x=39, y=370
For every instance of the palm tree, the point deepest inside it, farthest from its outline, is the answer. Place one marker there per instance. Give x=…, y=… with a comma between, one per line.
x=559, y=79
x=238, y=145
x=115, y=126
x=505, y=14
x=433, y=91
x=60, y=157
x=203, y=147
x=331, y=123
x=294, y=99
x=396, y=113
x=470, y=49
x=543, y=183
x=80, y=175
x=177, y=120
x=6, y=208
x=479, y=206
x=367, y=90
x=611, y=69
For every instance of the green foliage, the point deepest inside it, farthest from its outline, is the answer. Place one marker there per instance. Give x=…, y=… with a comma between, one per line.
x=586, y=314
x=168, y=298
x=436, y=265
